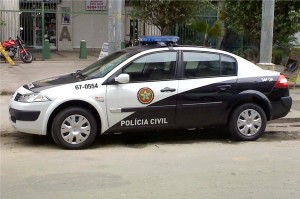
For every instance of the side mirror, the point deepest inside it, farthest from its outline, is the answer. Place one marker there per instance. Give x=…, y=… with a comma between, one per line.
x=122, y=78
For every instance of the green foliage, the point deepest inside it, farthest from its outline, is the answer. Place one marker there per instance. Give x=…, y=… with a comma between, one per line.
x=282, y=49
x=2, y=22
x=244, y=17
x=202, y=26
x=249, y=53
x=287, y=19
x=164, y=14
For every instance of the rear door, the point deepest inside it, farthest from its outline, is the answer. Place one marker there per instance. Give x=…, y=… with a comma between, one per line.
x=208, y=83
x=148, y=100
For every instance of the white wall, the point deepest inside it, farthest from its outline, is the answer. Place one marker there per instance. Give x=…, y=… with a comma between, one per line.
x=12, y=19
x=64, y=44
x=91, y=28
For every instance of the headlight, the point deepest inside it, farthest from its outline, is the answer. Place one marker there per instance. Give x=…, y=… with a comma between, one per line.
x=33, y=97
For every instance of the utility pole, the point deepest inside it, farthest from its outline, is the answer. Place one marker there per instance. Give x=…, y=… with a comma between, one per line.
x=116, y=25
x=266, y=42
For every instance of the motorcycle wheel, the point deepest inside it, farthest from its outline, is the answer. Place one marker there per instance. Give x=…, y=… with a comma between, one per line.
x=26, y=58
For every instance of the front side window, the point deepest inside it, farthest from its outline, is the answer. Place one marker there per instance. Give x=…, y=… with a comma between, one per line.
x=155, y=66
x=104, y=66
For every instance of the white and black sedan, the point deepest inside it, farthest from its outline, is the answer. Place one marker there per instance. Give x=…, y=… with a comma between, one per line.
x=152, y=86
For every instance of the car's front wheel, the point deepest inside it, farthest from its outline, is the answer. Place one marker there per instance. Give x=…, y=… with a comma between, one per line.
x=74, y=128
x=247, y=122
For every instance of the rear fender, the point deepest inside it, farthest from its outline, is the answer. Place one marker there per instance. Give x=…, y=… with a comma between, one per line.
x=251, y=96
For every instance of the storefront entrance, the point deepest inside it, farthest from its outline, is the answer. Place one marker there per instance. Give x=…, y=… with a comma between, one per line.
x=31, y=21
x=50, y=29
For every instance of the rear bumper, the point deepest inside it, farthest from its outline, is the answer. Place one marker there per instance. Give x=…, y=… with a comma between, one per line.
x=281, y=107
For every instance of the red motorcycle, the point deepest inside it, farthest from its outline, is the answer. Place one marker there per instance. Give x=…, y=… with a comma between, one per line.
x=12, y=47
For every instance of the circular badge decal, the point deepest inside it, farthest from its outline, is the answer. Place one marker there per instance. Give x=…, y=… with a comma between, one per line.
x=145, y=95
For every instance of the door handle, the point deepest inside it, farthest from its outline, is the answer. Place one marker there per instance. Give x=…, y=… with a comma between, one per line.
x=224, y=87
x=167, y=89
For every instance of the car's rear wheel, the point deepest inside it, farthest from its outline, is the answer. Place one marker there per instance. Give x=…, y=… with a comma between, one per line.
x=74, y=128
x=247, y=122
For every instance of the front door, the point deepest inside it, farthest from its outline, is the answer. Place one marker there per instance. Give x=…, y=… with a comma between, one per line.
x=148, y=100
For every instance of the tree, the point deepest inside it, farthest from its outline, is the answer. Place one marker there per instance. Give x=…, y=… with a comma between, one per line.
x=164, y=14
x=244, y=18
x=202, y=26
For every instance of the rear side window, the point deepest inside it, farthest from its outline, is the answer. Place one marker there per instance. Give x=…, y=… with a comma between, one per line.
x=201, y=64
x=229, y=65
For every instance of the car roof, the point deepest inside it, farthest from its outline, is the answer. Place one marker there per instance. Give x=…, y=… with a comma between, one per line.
x=142, y=48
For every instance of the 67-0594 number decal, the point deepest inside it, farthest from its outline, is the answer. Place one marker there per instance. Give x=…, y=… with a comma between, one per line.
x=86, y=86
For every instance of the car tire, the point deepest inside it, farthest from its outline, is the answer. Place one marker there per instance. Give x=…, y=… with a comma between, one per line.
x=247, y=122
x=74, y=128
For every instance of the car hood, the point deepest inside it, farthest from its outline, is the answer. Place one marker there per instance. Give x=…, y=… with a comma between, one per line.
x=52, y=82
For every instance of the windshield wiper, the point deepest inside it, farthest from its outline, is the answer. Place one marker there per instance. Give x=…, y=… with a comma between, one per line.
x=79, y=74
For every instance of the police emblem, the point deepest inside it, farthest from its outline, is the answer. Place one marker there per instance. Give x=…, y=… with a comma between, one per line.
x=145, y=95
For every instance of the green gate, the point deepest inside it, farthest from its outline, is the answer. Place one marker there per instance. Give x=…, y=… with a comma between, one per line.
x=38, y=20
x=190, y=37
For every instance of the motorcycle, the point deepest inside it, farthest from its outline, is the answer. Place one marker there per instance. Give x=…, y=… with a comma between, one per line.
x=12, y=47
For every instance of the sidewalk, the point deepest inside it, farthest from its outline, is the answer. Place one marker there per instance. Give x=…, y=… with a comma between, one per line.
x=92, y=55
x=12, y=77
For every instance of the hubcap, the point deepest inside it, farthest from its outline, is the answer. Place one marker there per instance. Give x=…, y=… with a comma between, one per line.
x=249, y=122
x=75, y=129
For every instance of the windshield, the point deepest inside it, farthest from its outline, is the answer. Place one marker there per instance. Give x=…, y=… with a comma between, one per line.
x=105, y=65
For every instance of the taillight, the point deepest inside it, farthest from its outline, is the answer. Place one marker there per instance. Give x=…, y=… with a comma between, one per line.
x=281, y=82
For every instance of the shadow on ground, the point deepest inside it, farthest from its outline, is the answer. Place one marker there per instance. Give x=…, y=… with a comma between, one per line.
x=143, y=139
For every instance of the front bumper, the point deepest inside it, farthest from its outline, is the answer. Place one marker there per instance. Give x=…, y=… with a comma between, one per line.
x=28, y=117
x=281, y=107
x=23, y=115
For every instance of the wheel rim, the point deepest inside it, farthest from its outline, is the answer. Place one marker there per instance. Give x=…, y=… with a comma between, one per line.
x=27, y=57
x=249, y=122
x=75, y=129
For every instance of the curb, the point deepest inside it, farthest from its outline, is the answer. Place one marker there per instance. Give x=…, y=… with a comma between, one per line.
x=285, y=120
x=4, y=92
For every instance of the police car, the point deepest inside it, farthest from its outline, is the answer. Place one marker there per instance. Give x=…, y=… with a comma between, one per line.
x=152, y=87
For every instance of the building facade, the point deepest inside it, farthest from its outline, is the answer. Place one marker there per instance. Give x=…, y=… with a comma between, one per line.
x=10, y=21
x=65, y=23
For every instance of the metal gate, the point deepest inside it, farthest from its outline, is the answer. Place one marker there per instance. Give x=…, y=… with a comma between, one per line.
x=38, y=20
x=190, y=37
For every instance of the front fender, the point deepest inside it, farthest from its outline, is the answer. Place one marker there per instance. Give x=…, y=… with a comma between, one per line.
x=87, y=99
